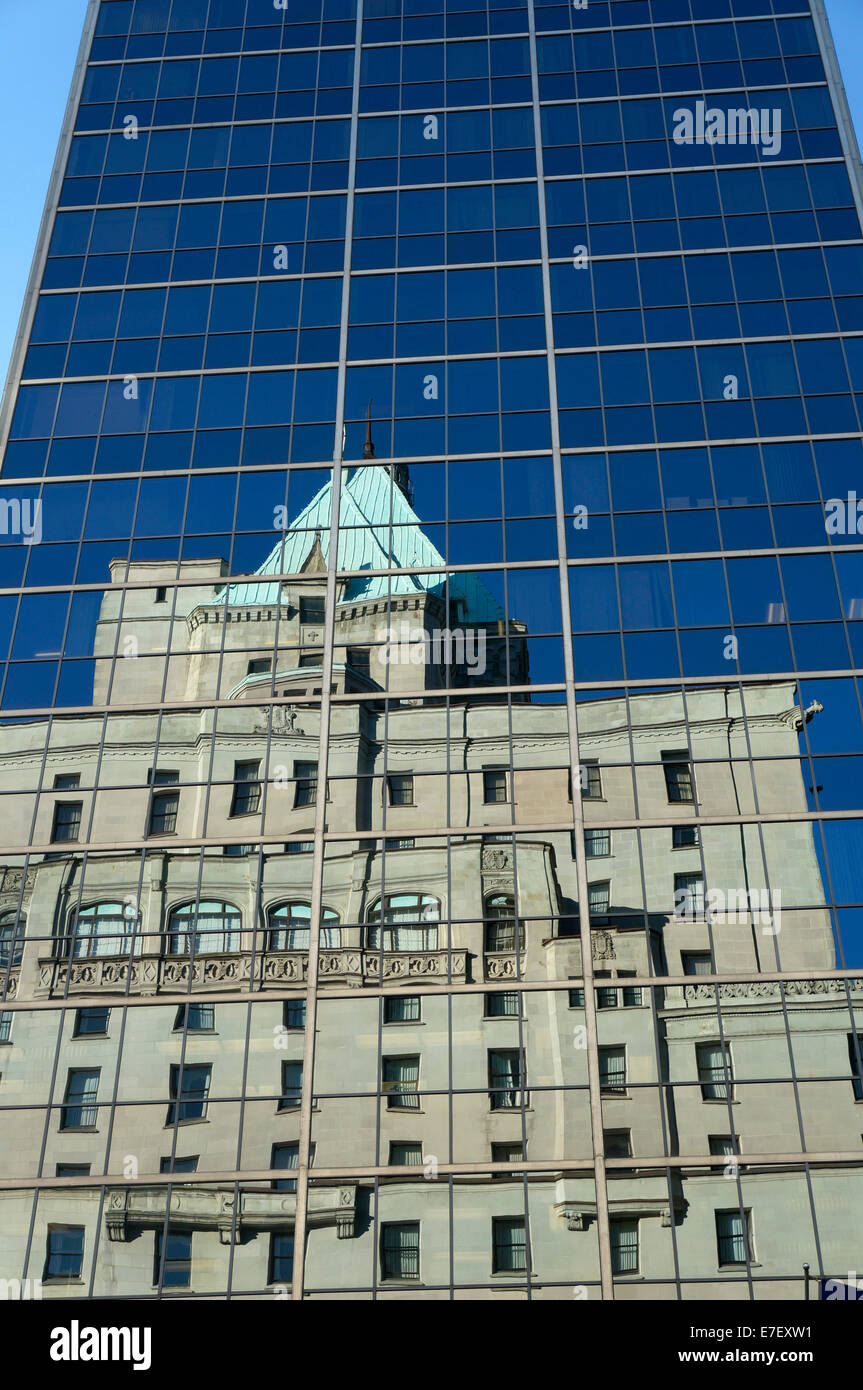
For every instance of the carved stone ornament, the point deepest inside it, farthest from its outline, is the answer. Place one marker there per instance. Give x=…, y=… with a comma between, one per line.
x=503, y=966
x=767, y=989
x=603, y=946
x=495, y=861
x=577, y=1216
x=11, y=880
x=173, y=974
x=284, y=721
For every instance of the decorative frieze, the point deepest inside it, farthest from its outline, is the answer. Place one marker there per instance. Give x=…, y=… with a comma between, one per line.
x=766, y=989
x=176, y=974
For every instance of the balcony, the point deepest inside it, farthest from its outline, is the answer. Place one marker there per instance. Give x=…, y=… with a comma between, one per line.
x=160, y=974
x=9, y=980
x=197, y=1208
x=503, y=965
x=357, y=965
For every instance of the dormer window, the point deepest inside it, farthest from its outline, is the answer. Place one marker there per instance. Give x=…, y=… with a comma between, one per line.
x=312, y=609
x=359, y=659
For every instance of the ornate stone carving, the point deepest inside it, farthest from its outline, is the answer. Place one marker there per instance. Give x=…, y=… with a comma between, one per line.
x=413, y=965
x=496, y=860
x=284, y=721
x=346, y=1215
x=174, y=974
x=225, y=1219
x=12, y=881
x=115, y=1216
x=766, y=989
x=502, y=965
x=603, y=945
x=281, y=969
x=577, y=1215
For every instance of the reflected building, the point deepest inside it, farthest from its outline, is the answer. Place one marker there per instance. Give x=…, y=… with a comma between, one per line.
x=419, y=1074
x=429, y=723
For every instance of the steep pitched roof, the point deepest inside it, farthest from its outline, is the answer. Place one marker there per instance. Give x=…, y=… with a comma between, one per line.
x=378, y=529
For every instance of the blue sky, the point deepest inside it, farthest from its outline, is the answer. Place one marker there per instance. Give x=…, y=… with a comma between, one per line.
x=38, y=46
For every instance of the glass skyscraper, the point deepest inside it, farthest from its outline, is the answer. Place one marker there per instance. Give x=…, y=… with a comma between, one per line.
x=430, y=618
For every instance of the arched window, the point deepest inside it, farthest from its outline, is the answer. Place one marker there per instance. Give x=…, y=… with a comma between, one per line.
x=500, y=924
x=11, y=939
x=104, y=929
x=200, y=928
x=289, y=925
x=408, y=922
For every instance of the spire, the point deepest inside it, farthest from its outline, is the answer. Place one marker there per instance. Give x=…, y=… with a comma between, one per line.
x=398, y=472
x=368, y=447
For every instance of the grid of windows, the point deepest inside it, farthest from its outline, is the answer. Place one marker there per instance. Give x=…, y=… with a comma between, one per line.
x=410, y=391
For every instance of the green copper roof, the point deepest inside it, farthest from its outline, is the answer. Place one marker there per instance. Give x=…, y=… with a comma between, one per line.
x=378, y=529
